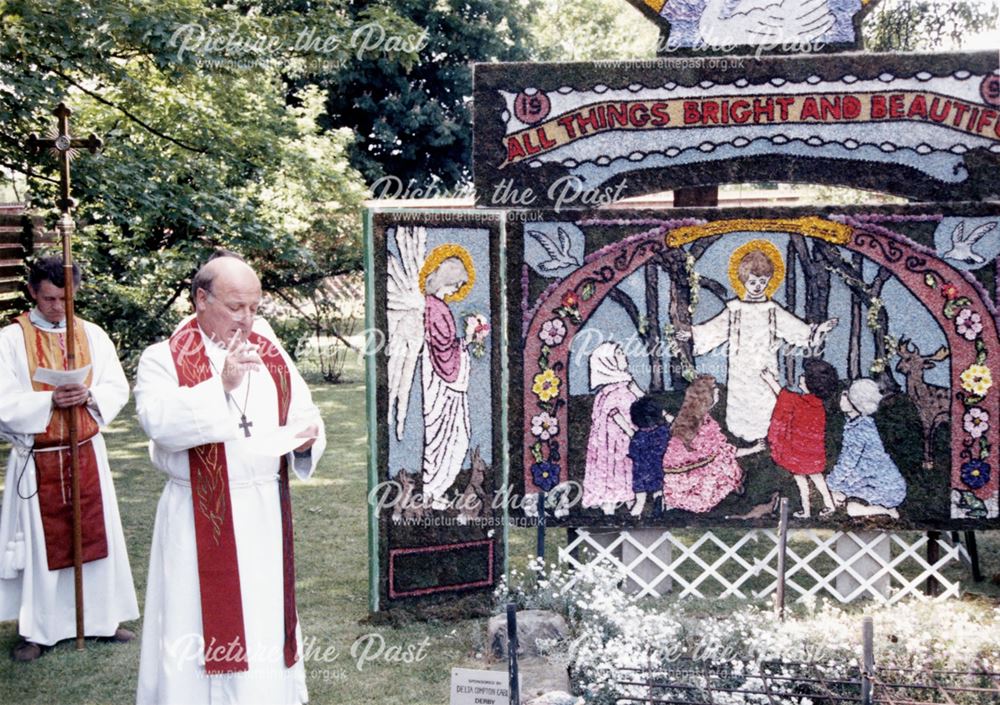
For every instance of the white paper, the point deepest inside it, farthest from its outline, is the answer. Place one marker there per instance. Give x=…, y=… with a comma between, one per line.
x=58, y=378
x=278, y=442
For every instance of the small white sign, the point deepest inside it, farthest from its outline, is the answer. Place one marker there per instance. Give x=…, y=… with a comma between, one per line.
x=472, y=687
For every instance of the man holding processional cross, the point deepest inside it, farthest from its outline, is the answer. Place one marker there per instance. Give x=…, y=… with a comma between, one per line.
x=36, y=577
x=227, y=414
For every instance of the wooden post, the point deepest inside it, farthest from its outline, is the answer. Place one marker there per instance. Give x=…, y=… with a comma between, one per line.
x=868, y=659
x=540, y=539
x=515, y=687
x=973, y=549
x=649, y=680
x=932, y=587
x=66, y=226
x=779, y=597
x=66, y=230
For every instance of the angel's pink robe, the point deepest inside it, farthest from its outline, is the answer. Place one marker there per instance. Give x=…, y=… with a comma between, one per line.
x=445, y=379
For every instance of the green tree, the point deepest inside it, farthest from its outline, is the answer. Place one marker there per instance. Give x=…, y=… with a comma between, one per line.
x=416, y=125
x=912, y=25
x=592, y=30
x=203, y=146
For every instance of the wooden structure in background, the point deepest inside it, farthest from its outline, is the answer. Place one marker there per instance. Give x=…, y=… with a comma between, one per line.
x=20, y=235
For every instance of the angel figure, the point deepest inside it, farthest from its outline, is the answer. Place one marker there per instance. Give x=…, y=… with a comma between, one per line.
x=421, y=326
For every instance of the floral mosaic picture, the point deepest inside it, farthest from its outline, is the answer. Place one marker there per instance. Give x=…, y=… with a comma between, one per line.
x=690, y=367
x=580, y=136
x=435, y=290
x=773, y=25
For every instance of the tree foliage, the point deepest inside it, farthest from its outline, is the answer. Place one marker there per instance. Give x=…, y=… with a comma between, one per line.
x=416, y=125
x=592, y=30
x=204, y=148
x=911, y=25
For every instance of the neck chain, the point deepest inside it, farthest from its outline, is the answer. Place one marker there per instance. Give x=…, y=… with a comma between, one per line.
x=243, y=424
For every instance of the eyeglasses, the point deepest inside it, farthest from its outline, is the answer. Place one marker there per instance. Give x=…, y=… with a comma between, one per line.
x=235, y=308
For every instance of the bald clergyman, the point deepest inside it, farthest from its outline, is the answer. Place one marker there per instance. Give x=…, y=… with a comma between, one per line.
x=228, y=416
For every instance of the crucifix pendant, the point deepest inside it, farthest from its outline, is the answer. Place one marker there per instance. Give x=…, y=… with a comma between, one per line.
x=245, y=425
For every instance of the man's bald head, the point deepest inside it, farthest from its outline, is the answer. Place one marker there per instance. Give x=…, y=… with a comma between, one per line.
x=226, y=294
x=228, y=269
x=204, y=277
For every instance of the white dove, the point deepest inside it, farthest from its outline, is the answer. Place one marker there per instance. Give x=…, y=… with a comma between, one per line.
x=754, y=22
x=559, y=253
x=961, y=244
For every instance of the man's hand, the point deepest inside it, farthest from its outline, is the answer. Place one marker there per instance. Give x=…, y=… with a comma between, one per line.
x=241, y=358
x=69, y=395
x=310, y=434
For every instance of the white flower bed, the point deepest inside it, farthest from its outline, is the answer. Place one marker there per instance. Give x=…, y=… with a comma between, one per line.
x=613, y=632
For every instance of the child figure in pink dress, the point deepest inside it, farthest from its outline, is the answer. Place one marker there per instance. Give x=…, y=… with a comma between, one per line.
x=607, y=479
x=699, y=467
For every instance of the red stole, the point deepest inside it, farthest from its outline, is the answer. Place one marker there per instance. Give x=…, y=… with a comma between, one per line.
x=53, y=474
x=218, y=567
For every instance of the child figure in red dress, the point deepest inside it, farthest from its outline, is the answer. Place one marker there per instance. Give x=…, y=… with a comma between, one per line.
x=797, y=435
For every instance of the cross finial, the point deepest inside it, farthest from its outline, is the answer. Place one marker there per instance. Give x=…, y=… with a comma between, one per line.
x=64, y=146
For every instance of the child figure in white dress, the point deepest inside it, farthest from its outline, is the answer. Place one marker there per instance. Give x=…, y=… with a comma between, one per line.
x=756, y=328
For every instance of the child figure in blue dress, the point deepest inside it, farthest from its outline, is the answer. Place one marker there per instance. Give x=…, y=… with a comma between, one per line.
x=646, y=449
x=864, y=471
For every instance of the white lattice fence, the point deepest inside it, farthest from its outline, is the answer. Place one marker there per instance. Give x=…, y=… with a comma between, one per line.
x=843, y=565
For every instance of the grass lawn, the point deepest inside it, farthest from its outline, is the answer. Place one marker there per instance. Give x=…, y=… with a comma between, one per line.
x=406, y=663
x=332, y=572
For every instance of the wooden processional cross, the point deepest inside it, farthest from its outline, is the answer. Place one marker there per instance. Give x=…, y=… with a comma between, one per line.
x=65, y=148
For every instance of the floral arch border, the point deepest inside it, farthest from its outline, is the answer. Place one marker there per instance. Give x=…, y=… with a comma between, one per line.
x=943, y=289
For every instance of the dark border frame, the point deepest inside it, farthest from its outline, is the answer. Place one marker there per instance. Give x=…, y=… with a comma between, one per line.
x=386, y=539
x=516, y=223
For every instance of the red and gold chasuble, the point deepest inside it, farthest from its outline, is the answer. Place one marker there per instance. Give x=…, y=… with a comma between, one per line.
x=218, y=567
x=53, y=470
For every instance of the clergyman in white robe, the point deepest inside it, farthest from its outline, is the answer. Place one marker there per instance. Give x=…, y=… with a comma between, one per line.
x=176, y=419
x=42, y=600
